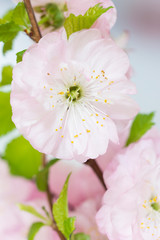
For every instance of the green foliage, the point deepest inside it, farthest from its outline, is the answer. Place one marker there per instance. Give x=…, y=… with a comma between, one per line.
x=60, y=212
x=6, y=75
x=80, y=236
x=141, y=124
x=8, y=15
x=14, y=21
x=20, y=55
x=42, y=176
x=8, y=31
x=76, y=23
x=7, y=46
x=20, y=16
x=22, y=158
x=6, y=124
x=31, y=210
x=51, y=15
x=34, y=230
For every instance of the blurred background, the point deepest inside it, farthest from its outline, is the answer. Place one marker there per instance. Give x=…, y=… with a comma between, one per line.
x=141, y=18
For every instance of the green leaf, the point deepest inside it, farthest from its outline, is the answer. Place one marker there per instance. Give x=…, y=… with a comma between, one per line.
x=60, y=212
x=141, y=124
x=34, y=230
x=31, y=210
x=8, y=15
x=8, y=31
x=76, y=23
x=80, y=236
x=20, y=16
x=42, y=176
x=22, y=158
x=6, y=75
x=69, y=226
x=7, y=46
x=6, y=124
x=20, y=55
x=2, y=21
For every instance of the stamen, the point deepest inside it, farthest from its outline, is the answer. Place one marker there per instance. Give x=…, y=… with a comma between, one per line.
x=61, y=93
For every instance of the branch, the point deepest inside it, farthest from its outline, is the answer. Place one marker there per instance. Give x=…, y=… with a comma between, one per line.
x=48, y=193
x=93, y=164
x=49, y=198
x=36, y=31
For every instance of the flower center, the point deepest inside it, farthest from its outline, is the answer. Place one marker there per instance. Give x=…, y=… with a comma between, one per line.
x=73, y=93
x=155, y=206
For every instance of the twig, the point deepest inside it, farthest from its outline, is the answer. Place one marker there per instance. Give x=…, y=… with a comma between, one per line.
x=93, y=164
x=49, y=198
x=36, y=31
x=48, y=193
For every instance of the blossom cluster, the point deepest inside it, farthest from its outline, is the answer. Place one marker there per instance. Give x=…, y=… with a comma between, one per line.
x=71, y=99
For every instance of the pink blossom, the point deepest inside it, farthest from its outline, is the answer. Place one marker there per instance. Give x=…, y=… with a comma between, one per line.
x=66, y=95
x=130, y=208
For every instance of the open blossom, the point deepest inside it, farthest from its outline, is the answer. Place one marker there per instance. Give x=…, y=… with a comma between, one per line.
x=131, y=206
x=67, y=94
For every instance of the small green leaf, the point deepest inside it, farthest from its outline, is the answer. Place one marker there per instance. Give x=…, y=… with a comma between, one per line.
x=34, y=230
x=20, y=55
x=6, y=124
x=7, y=46
x=141, y=124
x=42, y=176
x=76, y=23
x=60, y=212
x=31, y=210
x=20, y=16
x=6, y=75
x=69, y=226
x=8, y=31
x=80, y=236
x=22, y=158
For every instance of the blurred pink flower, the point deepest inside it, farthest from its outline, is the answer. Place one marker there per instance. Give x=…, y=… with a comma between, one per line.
x=85, y=219
x=131, y=206
x=15, y=224
x=66, y=95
